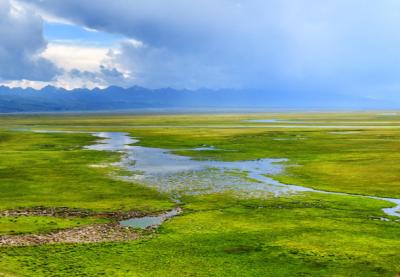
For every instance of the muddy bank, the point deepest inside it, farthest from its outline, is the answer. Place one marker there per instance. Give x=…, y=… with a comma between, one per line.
x=64, y=212
x=109, y=232
x=123, y=226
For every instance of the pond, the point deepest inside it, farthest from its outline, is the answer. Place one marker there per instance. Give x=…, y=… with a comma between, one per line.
x=149, y=221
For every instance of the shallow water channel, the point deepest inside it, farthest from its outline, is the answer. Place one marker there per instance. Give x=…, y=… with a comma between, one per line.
x=179, y=175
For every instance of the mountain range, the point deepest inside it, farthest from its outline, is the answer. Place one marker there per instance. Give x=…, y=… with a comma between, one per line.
x=52, y=99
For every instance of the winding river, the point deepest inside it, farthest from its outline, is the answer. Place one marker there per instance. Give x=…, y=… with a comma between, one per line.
x=179, y=175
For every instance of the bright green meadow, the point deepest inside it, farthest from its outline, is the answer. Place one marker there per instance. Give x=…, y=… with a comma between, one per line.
x=220, y=234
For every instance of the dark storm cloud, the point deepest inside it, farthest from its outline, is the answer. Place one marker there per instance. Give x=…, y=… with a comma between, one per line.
x=335, y=44
x=21, y=43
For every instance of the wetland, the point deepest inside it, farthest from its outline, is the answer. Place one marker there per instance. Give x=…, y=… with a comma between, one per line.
x=195, y=195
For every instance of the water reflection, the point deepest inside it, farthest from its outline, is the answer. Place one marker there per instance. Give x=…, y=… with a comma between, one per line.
x=179, y=175
x=149, y=221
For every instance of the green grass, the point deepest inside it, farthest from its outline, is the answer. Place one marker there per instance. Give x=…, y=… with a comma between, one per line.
x=53, y=170
x=12, y=225
x=218, y=234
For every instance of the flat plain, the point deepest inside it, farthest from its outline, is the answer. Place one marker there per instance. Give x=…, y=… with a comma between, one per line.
x=50, y=182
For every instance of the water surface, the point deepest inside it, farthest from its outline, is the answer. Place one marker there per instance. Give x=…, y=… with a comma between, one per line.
x=272, y=121
x=179, y=175
x=149, y=221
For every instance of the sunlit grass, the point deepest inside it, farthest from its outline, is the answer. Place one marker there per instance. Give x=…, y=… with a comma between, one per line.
x=13, y=225
x=218, y=234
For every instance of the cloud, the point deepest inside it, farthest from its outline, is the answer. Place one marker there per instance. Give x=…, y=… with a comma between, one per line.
x=82, y=65
x=102, y=78
x=159, y=67
x=184, y=43
x=70, y=55
x=27, y=59
x=309, y=44
x=21, y=45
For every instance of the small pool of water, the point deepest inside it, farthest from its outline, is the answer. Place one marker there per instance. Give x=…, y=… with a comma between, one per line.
x=344, y=132
x=149, y=221
x=205, y=148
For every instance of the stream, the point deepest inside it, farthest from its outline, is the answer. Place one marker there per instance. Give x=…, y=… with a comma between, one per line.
x=179, y=175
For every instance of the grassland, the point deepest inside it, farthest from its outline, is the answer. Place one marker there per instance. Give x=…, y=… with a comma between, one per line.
x=52, y=170
x=219, y=234
x=15, y=225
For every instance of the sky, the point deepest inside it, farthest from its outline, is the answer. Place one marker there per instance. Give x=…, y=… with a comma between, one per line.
x=346, y=46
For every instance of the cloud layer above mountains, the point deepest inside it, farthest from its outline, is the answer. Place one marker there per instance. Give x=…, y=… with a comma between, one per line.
x=341, y=45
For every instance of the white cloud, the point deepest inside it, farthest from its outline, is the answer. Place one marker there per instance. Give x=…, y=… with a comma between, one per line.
x=82, y=66
x=72, y=56
x=25, y=84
